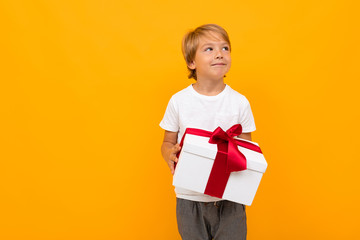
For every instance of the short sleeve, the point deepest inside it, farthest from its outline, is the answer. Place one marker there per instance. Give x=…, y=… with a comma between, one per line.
x=246, y=118
x=170, y=121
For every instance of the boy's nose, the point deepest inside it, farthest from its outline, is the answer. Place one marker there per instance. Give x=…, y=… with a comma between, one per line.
x=218, y=55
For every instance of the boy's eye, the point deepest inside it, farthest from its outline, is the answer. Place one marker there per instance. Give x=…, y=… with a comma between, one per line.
x=226, y=48
x=208, y=49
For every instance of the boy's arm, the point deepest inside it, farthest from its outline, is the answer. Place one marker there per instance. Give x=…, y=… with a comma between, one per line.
x=170, y=148
x=246, y=136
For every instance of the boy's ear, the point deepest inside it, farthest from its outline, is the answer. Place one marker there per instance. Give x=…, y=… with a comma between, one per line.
x=192, y=65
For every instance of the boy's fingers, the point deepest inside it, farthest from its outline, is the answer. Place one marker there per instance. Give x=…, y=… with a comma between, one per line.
x=176, y=148
x=173, y=159
x=171, y=166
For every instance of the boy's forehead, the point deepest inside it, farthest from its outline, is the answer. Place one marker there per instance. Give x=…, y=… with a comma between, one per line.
x=211, y=37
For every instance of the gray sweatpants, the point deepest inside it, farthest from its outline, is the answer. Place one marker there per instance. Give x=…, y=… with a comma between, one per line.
x=223, y=220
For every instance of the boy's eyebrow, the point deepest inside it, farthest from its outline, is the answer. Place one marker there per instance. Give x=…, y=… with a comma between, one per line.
x=213, y=43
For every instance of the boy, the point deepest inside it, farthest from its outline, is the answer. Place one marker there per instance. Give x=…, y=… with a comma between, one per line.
x=206, y=104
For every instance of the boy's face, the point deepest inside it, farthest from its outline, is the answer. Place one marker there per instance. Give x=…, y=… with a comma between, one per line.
x=212, y=59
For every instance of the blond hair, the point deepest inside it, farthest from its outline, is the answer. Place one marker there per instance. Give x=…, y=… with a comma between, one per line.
x=190, y=43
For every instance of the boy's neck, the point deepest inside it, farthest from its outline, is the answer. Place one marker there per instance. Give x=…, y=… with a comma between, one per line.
x=209, y=88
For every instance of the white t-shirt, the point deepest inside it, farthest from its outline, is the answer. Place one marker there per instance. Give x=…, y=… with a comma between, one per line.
x=190, y=109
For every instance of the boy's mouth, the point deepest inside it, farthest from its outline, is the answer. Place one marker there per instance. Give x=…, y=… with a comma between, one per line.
x=218, y=64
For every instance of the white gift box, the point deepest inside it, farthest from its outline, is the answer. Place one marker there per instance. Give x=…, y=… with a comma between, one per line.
x=195, y=163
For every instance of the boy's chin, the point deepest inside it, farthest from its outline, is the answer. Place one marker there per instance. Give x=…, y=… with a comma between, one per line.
x=220, y=76
x=215, y=76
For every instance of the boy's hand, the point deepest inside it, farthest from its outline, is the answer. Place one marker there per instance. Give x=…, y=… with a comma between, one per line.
x=172, y=159
x=170, y=149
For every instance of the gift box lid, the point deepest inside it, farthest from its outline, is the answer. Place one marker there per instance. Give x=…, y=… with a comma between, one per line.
x=200, y=146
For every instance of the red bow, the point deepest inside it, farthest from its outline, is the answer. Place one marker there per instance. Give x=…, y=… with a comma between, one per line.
x=235, y=161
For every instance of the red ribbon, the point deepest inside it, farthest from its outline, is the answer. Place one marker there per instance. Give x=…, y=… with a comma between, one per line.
x=228, y=158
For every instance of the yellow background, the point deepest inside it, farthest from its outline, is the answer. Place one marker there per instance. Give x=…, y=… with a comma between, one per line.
x=84, y=85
